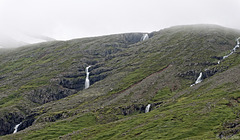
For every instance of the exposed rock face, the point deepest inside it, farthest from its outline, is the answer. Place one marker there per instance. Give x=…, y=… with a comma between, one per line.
x=8, y=121
x=209, y=73
x=99, y=77
x=229, y=133
x=110, y=48
x=137, y=108
x=218, y=58
x=28, y=121
x=192, y=74
x=231, y=129
x=128, y=110
x=73, y=83
x=133, y=37
x=188, y=74
x=65, y=84
x=106, y=115
x=49, y=93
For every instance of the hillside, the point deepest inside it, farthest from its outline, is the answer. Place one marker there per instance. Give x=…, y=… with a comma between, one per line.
x=42, y=86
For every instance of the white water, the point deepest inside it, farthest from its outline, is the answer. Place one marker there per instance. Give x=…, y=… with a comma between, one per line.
x=16, y=127
x=199, y=79
x=87, y=82
x=147, y=108
x=233, y=50
x=144, y=37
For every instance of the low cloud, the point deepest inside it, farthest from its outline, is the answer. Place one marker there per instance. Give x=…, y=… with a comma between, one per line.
x=67, y=19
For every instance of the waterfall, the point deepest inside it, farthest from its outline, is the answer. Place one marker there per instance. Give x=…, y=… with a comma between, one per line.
x=147, y=108
x=16, y=127
x=144, y=37
x=199, y=79
x=233, y=50
x=87, y=82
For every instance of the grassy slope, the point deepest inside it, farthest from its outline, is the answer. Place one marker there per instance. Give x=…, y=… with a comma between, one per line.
x=197, y=112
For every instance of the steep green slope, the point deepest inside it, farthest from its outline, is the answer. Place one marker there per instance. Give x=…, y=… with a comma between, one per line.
x=35, y=75
x=43, y=87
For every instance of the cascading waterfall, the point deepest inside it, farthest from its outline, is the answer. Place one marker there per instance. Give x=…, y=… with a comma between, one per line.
x=16, y=127
x=199, y=79
x=144, y=37
x=147, y=108
x=232, y=51
x=87, y=82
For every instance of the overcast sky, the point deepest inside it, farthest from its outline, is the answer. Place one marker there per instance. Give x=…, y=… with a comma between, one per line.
x=67, y=19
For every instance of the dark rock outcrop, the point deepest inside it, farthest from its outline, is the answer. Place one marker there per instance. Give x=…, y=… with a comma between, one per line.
x=193, y=75
x=96, y=78
x=156, y=105
x=137, y=108
x=217, y=57
x=74, y=75
x=50, y=93
x=128, y=110
x=228, y=133
x=28, y=121
x=73, y=83
x=209, y=73
x=133, y=38
x=231, y=129
x=9, y=121
x=188, y=74
x=97, y=73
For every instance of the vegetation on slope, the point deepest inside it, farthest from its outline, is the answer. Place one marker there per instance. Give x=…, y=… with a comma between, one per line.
x=158, y=71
